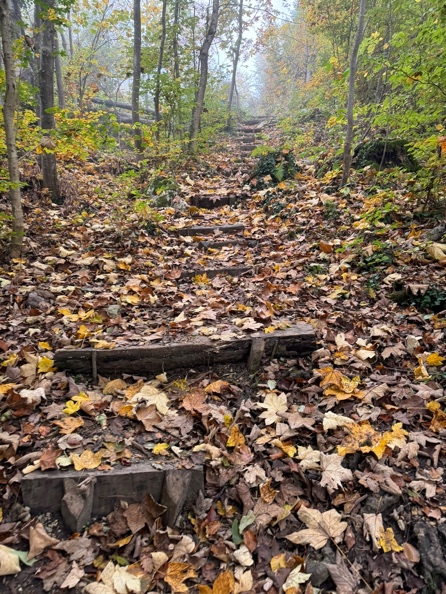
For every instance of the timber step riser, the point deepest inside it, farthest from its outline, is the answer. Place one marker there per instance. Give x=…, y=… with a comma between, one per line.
x=197, y=231
x=293, y=342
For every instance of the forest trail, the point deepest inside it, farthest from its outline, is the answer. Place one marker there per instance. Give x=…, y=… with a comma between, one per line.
x=354, y=430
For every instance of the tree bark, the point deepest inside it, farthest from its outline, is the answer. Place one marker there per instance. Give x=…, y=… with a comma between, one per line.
x=136, y=74
x=236, y=56
x=59, y=77
x=347, y=159
x=176, y=32
x=46, y=88
x=204, y=70
x=9, y=107
x=157, y=94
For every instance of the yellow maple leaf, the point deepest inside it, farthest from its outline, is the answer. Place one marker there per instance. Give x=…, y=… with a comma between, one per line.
x=332, y=377
x=236, y=438
x=71, y=407
x=269, y=329
x=64, y=311
x=388, y=542
x=177, y=574
x=88, y=460
x=126, y=410
x=5, y=388
x=103, y=344
x=45, y=346
x=285, y=446
x=45, y=365
x=10, y=360
x=396, y=437
x=421, y=372
x=438, y=422
x=131, y=299
x=363, y=437
x=161, y=448
x=83, y=332
x=342, y=395
x=278, y=562
x=69, y=424
x=435, y=360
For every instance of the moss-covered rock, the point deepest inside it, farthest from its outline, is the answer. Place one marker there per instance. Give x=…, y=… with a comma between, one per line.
x=383, y=154
x=161, y=190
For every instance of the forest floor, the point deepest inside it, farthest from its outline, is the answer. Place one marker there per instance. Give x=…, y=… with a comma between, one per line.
x=321, y=472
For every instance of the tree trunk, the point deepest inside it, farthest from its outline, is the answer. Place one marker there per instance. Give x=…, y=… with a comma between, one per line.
x=46, y=91
x=59, y=77
x=204, y=68
x=136, y=74
x=9, y=107
x=157, y=94
x=351, y=94
x=176, y=32
x=236, y=56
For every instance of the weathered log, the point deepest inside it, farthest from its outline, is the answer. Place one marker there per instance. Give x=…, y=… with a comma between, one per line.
x=119, y=105
x=144, y=360
x=213, y=272
x=43, y=492
x=197, y=231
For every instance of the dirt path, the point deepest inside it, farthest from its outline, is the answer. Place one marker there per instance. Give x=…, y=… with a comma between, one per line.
x=325, y=468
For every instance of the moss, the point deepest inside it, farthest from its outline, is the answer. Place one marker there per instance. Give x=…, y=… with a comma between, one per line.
x=383, y=154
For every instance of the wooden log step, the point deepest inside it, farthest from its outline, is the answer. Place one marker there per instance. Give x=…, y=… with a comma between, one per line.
x=197, y=231
x=216, y=245
x=44, y=492
x=249, y=129
x=212, y=273
x=212, y=201
x=295, y=341
x=248, y=147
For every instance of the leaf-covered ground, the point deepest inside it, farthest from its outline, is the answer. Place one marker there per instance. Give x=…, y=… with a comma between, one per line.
x=326, y=472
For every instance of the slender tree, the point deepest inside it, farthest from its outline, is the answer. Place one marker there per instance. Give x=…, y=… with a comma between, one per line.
x=204, y=72
x=59, y=77
x=347, y=159
x=157, y=94
x=136, y=74
x=236, y=55
x=9, y=107
x=46, y=92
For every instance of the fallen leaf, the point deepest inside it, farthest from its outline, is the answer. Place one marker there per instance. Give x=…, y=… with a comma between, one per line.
x=177, y=574
x=321, y=527
x=87, y=460
x=39, y=540
x=295, y=579
x=333, y=473
x=274, y=405
x=151, y=395
x=236, y=438
x=388, y=542
x=69, y=424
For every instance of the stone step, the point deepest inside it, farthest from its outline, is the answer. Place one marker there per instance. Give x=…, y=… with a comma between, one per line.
x=293, y=342
x=248, y=147
x=210, y=230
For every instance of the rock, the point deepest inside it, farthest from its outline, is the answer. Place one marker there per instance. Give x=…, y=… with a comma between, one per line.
x=315, y=564
x=113, y=310
x=375, y=504
x=432, y=554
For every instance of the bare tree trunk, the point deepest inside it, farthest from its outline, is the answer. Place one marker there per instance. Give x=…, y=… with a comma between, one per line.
x=157, y=94
x=9, y=107
x=204, y=69
x=59, y=77
x=136, y=74
x=46, y=88
x=236, y=57
x=176, y=25
x=351, y=94
x=70, y=37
